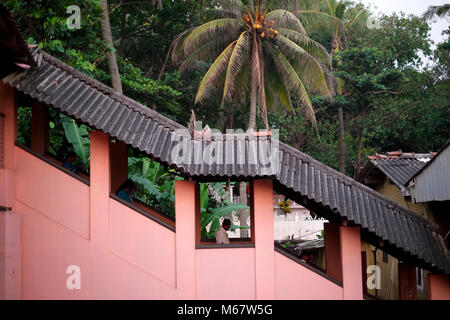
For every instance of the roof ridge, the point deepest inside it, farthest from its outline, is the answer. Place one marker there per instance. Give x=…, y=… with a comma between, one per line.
x=110, y=93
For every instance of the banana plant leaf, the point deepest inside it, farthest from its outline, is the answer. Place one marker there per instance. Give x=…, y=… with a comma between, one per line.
x=217, y=213
x=78, y=136
x=148, y=185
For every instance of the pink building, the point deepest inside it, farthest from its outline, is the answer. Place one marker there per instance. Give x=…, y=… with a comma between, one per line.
x=65, y=236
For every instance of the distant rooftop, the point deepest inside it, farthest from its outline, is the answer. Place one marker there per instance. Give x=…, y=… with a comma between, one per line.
x=399, y=167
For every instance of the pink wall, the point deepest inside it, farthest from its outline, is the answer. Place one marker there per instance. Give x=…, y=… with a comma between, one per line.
x=351, y=262
x=7, y=188
x=439, y=287
x=142, y=242
x=123, y=255
x=10, y=223
x=10, y=256
x=65, y=222
x=52, y=193
x=225, y=274
x=7, y=108
x=49, y=248
x=128, y=256
x=264, y=239
x=295, y=282
x=185, y=209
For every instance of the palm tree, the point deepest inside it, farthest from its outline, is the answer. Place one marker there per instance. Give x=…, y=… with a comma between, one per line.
x=259, y=48
x=334, y=16
x=440, y=11
x=337, y=18
x=111, y=56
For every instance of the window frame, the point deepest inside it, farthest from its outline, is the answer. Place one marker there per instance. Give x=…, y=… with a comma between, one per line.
x=234, y=242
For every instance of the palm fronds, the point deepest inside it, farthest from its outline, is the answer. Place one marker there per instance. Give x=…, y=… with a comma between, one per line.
x=433, y=11
x=265, y=53
x=217, y=69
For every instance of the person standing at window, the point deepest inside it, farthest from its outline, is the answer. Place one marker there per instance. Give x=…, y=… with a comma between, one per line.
x=221, y=234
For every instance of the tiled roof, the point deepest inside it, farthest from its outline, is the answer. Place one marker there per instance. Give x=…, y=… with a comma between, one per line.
x=429, y=163
x=403, y=233
x=399, y=167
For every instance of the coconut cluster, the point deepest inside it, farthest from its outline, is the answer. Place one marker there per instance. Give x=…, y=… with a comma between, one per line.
x=262, y=26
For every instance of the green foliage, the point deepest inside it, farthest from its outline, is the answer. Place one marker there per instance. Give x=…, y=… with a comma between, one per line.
x=45, y=23
x=363, y=72
x=321, y=235
x=286, y=244
x=211, y=211
x=397, y=101
x=285, y=206
x=401, y=38
x=148, y=91
x=156, y=186
x=250, y=44
x=24, y=126
x=78, y=136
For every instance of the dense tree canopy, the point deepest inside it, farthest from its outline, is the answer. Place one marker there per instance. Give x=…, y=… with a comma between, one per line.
x=396, y=83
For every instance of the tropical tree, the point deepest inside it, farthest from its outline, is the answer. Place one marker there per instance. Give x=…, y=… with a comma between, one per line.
x=339, y=19
x=111, y=55
x=258, y=47
x=433, y=11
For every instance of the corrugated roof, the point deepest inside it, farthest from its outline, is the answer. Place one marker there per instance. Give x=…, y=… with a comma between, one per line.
x=429, y=163
x=396, y=166
x=432, y=181
x=307, y=181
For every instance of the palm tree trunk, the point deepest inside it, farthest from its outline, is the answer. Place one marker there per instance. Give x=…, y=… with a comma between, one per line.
x=358, y=156
x=253, y=99
x=123, y=21
x=338, y=90
x=244, y=214
x=341, y=140
x=111, y=56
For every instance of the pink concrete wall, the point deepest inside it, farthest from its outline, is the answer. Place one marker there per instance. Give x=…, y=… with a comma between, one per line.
x=351, y=262
x=49, y=248
x=439, y=287
x=52, y=193
x=7, y=188
x=295, y=282
x=142, y=242
x=264, y=239
x=10, y=256
x=185, y=210
x=120, y=253
x=10, y=221
x=225, y=274
x=8, y=109
x=128, y=256
x=123, y=255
